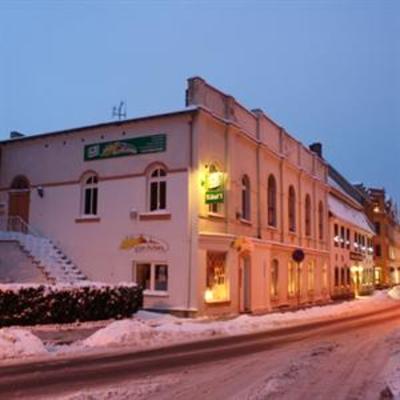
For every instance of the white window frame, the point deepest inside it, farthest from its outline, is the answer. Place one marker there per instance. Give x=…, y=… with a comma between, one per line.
x=158, y=179
x=92, y=187
x=152, y=291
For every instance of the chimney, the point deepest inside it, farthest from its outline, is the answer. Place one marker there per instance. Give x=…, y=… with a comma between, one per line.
x=317, y=149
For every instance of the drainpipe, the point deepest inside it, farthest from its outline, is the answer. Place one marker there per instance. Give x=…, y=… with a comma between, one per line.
x=258, y=178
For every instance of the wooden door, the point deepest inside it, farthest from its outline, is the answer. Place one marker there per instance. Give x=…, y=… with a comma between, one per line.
x=19, y=205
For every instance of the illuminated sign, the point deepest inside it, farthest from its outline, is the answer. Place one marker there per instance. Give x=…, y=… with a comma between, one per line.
x=215, y=190
x=142, y=243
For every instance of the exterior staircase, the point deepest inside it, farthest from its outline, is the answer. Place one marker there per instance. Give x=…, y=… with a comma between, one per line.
x=56, y=266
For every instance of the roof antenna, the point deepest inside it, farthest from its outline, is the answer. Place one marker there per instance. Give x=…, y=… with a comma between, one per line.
x=120, y=111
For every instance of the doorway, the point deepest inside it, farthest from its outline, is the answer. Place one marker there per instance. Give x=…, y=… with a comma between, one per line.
x=19, y=198
x=244, y=284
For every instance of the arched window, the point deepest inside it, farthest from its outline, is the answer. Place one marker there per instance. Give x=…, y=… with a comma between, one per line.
x=292, y=209
x=158, y=189
x=271, y=201
x=307, y=215
x=246, y=210
x=311, y=276
x=321, y=221
x=291, y=279
x=274, y=277
x=89, y=194
x=20, y=183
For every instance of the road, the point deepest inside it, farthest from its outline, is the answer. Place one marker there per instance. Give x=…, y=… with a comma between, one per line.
x=337, y=359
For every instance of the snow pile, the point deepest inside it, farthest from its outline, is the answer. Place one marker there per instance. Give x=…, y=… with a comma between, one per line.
x=16, y=342
x=394, y=293
x=392, y=368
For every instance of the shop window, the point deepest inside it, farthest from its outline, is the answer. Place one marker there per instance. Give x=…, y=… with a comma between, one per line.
x=308, y=215
x=310, y=275
x=158, y=189
x=291, y=278
x=337, y=277
x=217, y=282
x=292, y=209
x=271, y=200
x=274, y=277
x=89, y=195
x=152, y=276
x=321, y=221
x=246, y=198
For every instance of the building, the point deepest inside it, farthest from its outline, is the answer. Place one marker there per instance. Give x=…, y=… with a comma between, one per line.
x=384, y=215
x=203, y=206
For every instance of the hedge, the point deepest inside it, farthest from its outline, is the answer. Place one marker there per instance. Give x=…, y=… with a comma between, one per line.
x=48, y=304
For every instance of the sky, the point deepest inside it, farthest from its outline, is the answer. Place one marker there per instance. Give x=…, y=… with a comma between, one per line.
x=326, y=71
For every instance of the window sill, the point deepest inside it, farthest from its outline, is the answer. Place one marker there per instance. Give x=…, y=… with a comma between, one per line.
x=155, y=293
x=245, y=221
x=155, y=216
x=87, y=218
x=218, y=302
x=216, y=215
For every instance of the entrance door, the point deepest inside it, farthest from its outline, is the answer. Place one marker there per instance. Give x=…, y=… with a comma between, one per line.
x=244, y=283
x=19, y=205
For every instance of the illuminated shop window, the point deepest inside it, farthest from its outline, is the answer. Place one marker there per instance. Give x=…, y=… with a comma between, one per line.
x=217, y=282
x=308, y=215
x=158, y=189
x=274, y=277
x=152, y=276
x=292, y=275
x=310, y=275
x=292, y=209
x=89, y=195
x=271, y=201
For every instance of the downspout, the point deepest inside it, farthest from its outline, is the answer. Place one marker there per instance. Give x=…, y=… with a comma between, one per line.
x=258, y=177
x=282, y=191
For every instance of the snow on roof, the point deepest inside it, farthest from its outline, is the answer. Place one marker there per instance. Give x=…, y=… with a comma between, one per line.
x=349, y=214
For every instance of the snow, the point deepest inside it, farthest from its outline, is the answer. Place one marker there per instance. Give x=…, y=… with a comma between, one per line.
x=17, y=343
x=394, y=293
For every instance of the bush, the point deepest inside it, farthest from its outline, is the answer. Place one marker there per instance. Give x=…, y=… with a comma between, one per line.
x=48, y=304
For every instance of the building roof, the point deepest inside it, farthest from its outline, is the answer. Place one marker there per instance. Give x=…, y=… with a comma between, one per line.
x=349, y=214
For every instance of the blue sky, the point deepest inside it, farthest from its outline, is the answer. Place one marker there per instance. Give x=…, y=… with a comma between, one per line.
x=327, y=71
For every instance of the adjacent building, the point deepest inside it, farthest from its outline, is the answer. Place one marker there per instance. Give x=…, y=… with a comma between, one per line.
x=203, y=206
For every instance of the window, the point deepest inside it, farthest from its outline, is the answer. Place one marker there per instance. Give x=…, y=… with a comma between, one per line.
x=90, y=195
x=292, y=209
x=271, y=201
x=347, y=238
x=378, y=228
x=158, y=189
x=152, y=276
x=246, y=198
x=310, y=275
x=342, y=276
x=321, y=221
x=348, y=276
x=336, y=238
x=274, y=277
x=378, y=250
x=342, y=237
x=291, y=278
x=217, y=282
x=325, y=276
x=308, y=215
x=337, y=277
x=214, y=208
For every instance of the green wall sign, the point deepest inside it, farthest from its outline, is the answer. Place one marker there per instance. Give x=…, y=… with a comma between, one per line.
x=126, y=147
x=215, y=188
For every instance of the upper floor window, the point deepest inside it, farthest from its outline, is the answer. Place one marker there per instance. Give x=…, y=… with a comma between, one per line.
x=321, y=221
x=158, y=189
x=271, y=201
x=308, y=215
x=292, y=209
x=90, y=194
x=246, y=210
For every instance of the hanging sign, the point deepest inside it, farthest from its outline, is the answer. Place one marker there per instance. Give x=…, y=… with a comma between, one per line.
x=215, y=189
x=126, y=147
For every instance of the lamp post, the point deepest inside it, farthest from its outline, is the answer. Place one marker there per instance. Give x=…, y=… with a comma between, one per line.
x=298, y=257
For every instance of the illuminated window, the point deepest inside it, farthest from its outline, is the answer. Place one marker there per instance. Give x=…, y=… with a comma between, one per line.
x=158, y=189
x=89, y=195
x=292, y=209
x=325, y=277
x=336, y=238
x=274, y=277
x=214, y=208
x=321, y=221
x=310, y=275
x=271, y=201
x=308, y=215
x=292, y=278
x=152, y=276
x=217, y=282
x=246, y=196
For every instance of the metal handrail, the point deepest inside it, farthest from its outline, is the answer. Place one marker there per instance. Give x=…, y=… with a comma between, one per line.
x=17, y=224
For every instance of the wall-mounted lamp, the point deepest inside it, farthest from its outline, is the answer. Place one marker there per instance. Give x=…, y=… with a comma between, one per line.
x=40, y=191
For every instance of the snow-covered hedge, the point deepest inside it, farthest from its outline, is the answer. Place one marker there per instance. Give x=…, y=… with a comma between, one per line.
x=45, y=304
